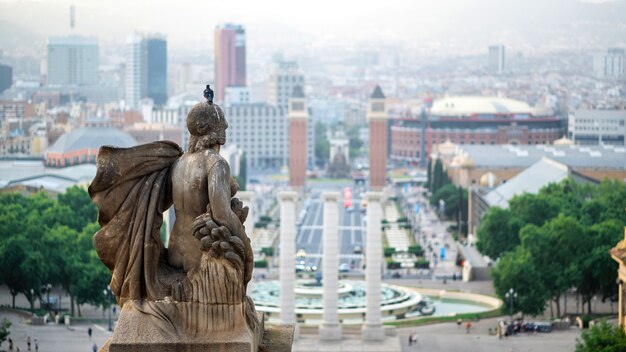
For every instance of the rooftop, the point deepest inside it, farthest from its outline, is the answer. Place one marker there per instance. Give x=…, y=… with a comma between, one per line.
x=523, y=156
x=470, y=105
x=91, y=138
x=531, y=180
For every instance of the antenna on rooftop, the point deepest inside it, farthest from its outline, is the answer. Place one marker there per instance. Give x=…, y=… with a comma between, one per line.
x=72, y=16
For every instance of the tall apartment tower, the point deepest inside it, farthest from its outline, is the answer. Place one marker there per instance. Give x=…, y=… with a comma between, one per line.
x=612, y=64
x=496, y=59
x=73, y=60
x=230, y=58
x=297, y=120
x=284, y=77
x=146, y=69
x=377, y=120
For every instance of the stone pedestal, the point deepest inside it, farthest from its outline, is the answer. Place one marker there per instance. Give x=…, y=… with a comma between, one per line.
x=288, y=201
x=330, y=330
x=372, y=328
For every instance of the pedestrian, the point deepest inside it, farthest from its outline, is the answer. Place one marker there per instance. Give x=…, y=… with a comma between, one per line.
x=18, y=349
x=410, y=340
x=459, y=322
x=36, y=345
x=94, y=348
x=10, y=344
x=28, y=342
x=468, y=326
x=414, y=338
x=89, y=332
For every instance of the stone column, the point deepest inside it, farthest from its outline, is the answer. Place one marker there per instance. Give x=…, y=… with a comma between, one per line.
x=288, y=201
x=330, y=330
x=248, y=198
x=372, y=328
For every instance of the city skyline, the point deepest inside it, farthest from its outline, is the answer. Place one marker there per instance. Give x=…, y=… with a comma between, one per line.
x=451, y=26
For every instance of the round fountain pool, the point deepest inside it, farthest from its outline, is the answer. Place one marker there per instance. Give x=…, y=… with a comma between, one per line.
x=397, y=302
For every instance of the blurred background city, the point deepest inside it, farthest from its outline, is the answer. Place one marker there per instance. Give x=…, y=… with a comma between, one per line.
x=494, y=132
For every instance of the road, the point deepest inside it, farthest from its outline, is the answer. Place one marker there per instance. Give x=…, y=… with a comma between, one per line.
x=351, y=229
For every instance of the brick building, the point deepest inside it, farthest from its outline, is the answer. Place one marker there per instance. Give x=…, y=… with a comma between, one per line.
x=475, y=121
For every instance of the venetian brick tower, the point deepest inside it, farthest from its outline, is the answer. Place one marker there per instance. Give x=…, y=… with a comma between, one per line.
x=297, y=120
x=377, y=120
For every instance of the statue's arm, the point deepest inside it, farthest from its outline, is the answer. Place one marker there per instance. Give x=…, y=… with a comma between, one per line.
x=219, y=200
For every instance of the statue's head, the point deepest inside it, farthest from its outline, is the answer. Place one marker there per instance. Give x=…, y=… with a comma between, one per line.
x=207, y=125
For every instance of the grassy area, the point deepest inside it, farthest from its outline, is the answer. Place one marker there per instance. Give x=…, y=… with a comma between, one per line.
x=436, y=320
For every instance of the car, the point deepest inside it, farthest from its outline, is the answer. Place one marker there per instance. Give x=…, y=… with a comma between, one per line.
x=357, y=249
x=301, y=253
x=344, y=267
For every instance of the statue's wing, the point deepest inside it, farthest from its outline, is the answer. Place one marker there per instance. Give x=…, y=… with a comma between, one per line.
x=131, y=190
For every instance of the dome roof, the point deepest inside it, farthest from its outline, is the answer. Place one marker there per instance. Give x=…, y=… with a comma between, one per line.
x=488, y=180
x=91, y=138
x=470, y=105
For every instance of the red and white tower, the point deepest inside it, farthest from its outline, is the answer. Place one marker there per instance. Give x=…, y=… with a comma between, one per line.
x=377, y=120
x=297, y=120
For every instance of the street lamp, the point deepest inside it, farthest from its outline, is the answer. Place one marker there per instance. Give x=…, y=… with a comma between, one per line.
x=32, y=301
x=511, y=295
x=107, y=298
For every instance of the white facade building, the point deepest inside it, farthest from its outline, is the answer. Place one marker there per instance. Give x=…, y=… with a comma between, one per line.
x=607, y=127
x=73, y=60
x=284, y=77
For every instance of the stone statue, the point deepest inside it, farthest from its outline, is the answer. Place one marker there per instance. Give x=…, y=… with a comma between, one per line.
x=190, y=296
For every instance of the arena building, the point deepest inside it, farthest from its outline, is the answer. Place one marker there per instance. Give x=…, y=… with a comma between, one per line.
x=474, y=121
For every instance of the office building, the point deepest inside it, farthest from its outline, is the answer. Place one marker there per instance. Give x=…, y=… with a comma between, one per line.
x=73, y=61
x=6, y=77
x=146, y=69
x=597, y=127
x=230, y=58
x=612, y=64
x=496, y=59
x=284, y=77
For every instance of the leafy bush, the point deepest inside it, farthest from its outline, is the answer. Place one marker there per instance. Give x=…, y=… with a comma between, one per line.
x=388, y=251
x=416, y=249
x=260, y=263
x=269, y=251
x=602, y=337
x=393, y=265
x=421, y=264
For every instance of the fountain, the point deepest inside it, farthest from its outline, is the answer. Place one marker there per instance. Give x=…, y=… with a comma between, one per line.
x=396, y=301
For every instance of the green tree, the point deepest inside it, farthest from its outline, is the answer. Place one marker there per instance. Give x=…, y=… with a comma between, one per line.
x=322, y=146
x=25, y=267
x=93, y=279
x=429, y=174
x=498, y=232
x=602, y=337
x=597, y=270
x=242, y=178
x=517, y=270
x=78, y=201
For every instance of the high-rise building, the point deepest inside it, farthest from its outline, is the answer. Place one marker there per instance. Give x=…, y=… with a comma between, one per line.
x=156, y=46
x=612, y=64
x=230, y=58
x=73, y=60
x=284, y=77
x=496, y=59
x=6, y=77
x=146, y=69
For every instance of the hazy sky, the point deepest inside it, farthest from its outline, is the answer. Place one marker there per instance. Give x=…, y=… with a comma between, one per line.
x=190, y=23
